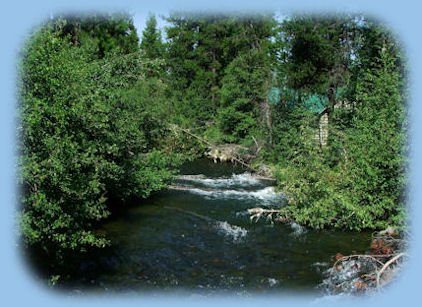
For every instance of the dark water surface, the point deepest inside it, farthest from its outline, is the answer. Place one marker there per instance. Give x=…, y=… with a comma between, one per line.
x=198, y=237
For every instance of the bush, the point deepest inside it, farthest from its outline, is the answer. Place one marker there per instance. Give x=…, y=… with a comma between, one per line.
x=82, y=141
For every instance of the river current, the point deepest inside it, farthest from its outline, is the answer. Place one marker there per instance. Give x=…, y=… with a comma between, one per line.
x=197, y=237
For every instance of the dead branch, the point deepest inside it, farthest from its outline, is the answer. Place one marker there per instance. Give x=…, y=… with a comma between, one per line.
x=257, y=213
x=387, y=247
x=345, y=258
x=387, y=265
x=258, y=148
x=187, y=131
x=233, y=158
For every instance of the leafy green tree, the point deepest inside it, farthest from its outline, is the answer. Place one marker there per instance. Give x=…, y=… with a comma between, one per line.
x=316, y=54
x=242, y=93
x=364, y=187
x=203, y=52
x=110, y=33
x=151, y=43
x=82, y=142
x=376, y=144
x=61, y=190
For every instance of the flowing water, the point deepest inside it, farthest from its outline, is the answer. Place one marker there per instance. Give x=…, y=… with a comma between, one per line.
x=198, y=237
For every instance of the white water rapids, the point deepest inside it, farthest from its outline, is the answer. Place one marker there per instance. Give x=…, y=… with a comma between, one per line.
x=198, y=236
x=239, y=186
x=246, y=187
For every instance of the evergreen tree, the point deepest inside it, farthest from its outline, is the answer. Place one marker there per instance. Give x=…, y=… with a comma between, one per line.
x=317, y=54
x=364, y=187
x=242, y=95
x=201, y=52
x=244, y=108
x=151, y=43
x=376, y=144
x=94, y=116
x=110, y=33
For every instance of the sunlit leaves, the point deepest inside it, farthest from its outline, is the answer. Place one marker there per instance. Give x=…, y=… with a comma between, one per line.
x=358, y=180
x=81, y=140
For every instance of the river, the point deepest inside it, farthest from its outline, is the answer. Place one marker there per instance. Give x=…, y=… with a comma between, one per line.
x=197, y=237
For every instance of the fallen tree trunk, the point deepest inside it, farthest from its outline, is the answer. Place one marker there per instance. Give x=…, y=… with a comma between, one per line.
x=175, y=127
x=231, y=157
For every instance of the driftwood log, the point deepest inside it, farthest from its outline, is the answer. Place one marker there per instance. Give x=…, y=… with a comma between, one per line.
x=226, y=154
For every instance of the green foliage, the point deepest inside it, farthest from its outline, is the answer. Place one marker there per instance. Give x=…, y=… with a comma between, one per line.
x=358, y=181
x=287, y=126
x=59, y=194
x=377, y=142
x=241, y=93
x=319, y=49
x=96, y=115
x=203, y=52
x=221, y=70
x=106, y=33
x=153, y=49
x=82, y=141
x=151, y=44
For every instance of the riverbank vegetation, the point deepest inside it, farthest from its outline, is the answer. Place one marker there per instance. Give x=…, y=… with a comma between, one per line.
x=319, y=100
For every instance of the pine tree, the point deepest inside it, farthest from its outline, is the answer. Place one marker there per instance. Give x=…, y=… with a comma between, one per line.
x=359, y=181
x=203, y=52
x=110, y=33
x=376, y=144
x=317, y=54
x=151, y=43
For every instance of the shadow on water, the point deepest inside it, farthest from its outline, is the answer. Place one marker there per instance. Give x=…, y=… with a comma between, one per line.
x=198, y=236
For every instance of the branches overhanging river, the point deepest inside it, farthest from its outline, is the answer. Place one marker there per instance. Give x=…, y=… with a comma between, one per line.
x=313, y=104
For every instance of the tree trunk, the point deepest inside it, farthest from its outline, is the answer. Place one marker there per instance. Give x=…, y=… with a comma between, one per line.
x=267, y=113
x=214, y=77
x=331, y=101
x=323, y=130
x=330, y=111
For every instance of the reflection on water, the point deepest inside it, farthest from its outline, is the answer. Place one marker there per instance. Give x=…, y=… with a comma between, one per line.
x=197, y=237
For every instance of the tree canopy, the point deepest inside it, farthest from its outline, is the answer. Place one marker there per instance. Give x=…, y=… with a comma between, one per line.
x=96, y=109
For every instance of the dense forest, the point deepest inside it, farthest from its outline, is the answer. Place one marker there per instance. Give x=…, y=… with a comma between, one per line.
x=319, y=102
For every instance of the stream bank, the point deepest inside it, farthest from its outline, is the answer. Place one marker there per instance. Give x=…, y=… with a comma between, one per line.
x=198, y=238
